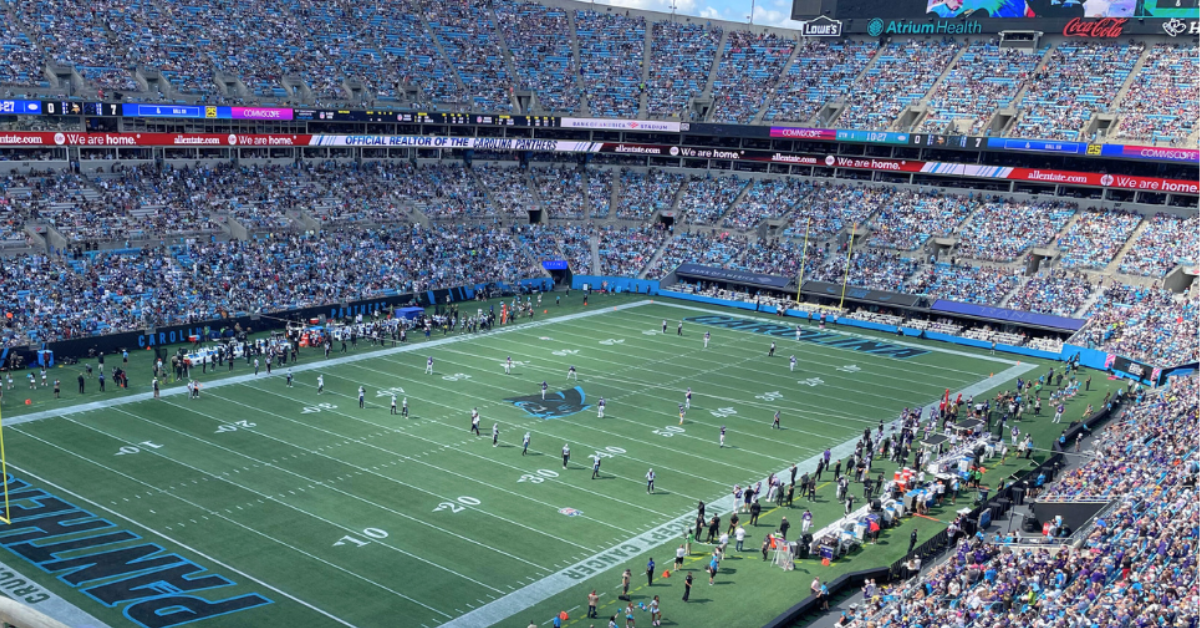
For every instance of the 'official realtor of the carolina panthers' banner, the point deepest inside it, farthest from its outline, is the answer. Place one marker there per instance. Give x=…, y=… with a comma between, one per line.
x=711, y=273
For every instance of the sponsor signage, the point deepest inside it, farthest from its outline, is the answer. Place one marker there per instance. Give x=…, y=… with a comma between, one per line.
x=1103, y=28
x=20, y=107
x=823, y=26
x=1176, y=27
x=879, y=27
x=860, y=294
x=619, y=125
x=149, y=139
x=554, y=264
x=1004, y=314
x=712, y=273
x=137, y=110
x=801, y=133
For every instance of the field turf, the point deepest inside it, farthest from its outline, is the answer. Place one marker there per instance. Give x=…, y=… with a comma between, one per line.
x=316, y=512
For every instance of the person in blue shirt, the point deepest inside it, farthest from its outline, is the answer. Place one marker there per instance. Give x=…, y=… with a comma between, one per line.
x=650, y=572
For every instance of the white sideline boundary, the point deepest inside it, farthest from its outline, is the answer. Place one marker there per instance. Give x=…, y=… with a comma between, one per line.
x=618, y=555
x=316, y=363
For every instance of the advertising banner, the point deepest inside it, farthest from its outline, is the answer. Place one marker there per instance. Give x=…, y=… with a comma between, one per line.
x=619, y=125
x=1004, y=314
x=48, y=139
x=711, y=273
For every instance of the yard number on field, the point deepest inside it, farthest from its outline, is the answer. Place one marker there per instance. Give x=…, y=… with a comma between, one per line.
x=373, y=533
x=388, y=392
x=233, y=427
x=456, y=377
x=812, y=381
x=540, y=477
x=668, y=431
x=453, y=507
x=130, y=449
x=723, y=412
x=770, y=396
x=317, y=408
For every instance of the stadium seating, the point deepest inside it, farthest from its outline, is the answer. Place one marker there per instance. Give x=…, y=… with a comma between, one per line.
x=599, y=192
x=986, y=78
x=1167, y=241
x=1160, y=104
x=985, y=285
x=821, y=73
x=643, y=193
x=1094, y=239
x=706, y=198
x=868, y=268
x=1154, y=325
x=697, y=248
x=610, y=50
x=750, y=65
x=465, y=31
x=1001, y=231
x=540, y=40
x=1080, y=79
x=901, y=75
x=907, y=219
x=625, y=251
x=561, y=192
x=783, y=258
x=1058, y=292
x=832, y=209
x=766, y=199
x=679, y=67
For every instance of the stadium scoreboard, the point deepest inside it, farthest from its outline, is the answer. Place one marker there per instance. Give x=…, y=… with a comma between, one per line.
x=438, y=117
x=76, y=108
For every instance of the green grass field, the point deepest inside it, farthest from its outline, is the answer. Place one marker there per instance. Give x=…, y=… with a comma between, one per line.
x=268, y=506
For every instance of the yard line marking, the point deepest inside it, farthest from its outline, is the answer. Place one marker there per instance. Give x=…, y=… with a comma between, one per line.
x=279, y=501
x=313, y=365
x=542, y=590
x=184, y=545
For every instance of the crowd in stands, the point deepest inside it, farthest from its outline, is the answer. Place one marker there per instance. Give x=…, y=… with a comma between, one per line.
x=643, y=193
x=1095, y=237
x=1161, y=103
x=410, y=54
x=53, y=297
x=448, y=190
x=830, y=209
x=706, y=198
x=1001, y=230
x=1166, y=241
x=1079, y=79
x=1059, y=292
x=822, y=72
x=766, y=199
x=985, y=285
x=1135, y=567
x=561, y=192
x=707, y=249
x=867, y=268
x=902, y=74
x=72, y=36
x=1149, y=324
x=576, y=243
x=907, y=219
x=625, y=251
x=986, y=78
x=611, y=47
x=466, y=32
x=508, y=188
x=679, y=66
x=750, y=65
x=599, y=191
x=782, y=258
x=540, y=40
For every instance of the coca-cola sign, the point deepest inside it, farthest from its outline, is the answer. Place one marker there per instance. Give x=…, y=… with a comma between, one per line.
x=1104, y=28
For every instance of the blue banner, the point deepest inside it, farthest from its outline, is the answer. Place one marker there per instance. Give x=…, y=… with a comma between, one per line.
x=732, y=276
x=1038, y=146
x=18, y=107
x=1012, y=316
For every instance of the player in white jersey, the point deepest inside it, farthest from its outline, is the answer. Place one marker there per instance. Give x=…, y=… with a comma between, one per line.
x=792, y=364
x=664, y=326
x=289, y=378
x=404, y=408
x=600, y=407
x=679, y=330
x=650, y=481
x=797, y=331
x=475, y=422
x=429, y=366
x=771, y=353
x=572, y=374
x=256, y=367
x=775, y=423
x=508, y=366
x=595, y=467
x=687, y=399
x=707, y=336
x=722, y=435
x=320, y=384
x=495, y=434
x=544, y=387
x=362, y=397
x=682, y=411
x=525, y=444
x=394, y=405
x=566, y=453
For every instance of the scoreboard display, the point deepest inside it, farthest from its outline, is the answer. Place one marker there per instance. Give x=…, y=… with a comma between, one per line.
x=421, y=117
x=76, y=108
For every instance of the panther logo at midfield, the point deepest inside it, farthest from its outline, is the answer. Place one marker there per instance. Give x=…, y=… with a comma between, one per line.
x=556, y=406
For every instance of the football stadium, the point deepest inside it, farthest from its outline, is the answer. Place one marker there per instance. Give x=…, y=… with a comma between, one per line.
x=535, y=314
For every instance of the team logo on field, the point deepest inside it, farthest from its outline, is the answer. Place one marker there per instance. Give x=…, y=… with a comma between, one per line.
x=556, y=405
x=570, y=512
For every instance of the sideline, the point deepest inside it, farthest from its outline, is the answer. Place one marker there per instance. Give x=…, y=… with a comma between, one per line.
x=559, y=582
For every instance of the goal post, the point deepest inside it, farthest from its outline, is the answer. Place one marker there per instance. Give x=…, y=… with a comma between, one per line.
x=7, y=518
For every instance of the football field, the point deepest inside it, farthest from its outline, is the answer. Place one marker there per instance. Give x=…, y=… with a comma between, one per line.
x=265, y=505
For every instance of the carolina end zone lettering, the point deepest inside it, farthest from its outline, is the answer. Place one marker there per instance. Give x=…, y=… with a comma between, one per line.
x=94, y=556
x=872, y=347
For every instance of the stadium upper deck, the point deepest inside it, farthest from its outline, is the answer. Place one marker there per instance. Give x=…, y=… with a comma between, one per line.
x=506, y=56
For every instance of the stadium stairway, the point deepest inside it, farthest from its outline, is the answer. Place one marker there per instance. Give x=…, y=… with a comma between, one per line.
x=536, y=193
x=1018, y=99
x=506, y=53
x=924, y=100
x=1114, y=266
x=662, y=248
x=828, y=124
x=1119, y=99
x=647, y=55
x=712, y=72
x=775, y=86
x=430, y=33
x=594, y=240
x=584, y=108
